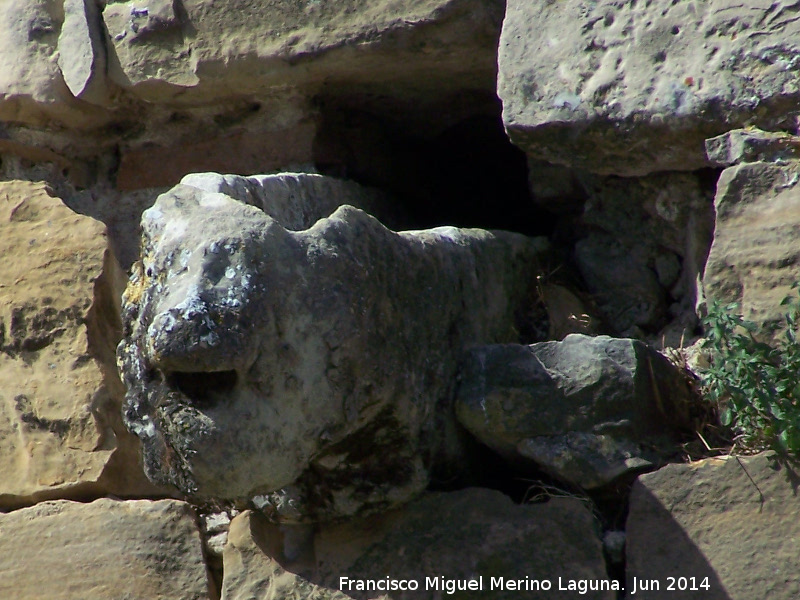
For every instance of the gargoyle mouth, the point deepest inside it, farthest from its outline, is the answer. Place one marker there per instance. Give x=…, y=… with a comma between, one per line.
x=204, y=389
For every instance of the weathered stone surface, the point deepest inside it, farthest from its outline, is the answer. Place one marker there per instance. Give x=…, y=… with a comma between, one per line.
x=625, y=286
x=470, y=534
x=24, y=72
x=754, y=256
x=140, y=549
x=205, y=48
x=149, y=91
x=214, y=527
x=731, y=520
x=751, y=145
x=81, y=51
x=60, y=427
x=587, y=409
x=252, y=568
x=266, y=147
x=632, y=88
x=121, y=212
x=297, y=200
x=28, y=152
x=315, y=365
x=646, y=249
x=32, y=88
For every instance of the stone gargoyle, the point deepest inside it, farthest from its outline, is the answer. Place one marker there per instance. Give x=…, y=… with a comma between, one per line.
x=313, y=369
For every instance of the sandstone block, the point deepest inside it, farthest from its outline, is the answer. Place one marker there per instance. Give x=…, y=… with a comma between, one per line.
x=60, y=426
x=630, y=89
x=232, y=151
x=81, y=51
x=32, y=88
x=205, y=48
x=473, y=534
x=252, y=568
x=728, y=521
x=137, y=550
x=587, y=409
x=754, y=255
x=315, y=367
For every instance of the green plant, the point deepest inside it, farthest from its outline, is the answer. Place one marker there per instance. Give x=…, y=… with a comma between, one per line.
x=755, y=384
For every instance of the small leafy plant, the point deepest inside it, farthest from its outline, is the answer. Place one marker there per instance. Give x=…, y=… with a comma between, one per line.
x=756, y=385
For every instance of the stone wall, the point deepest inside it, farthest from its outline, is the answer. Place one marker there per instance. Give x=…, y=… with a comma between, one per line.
x=297, y=295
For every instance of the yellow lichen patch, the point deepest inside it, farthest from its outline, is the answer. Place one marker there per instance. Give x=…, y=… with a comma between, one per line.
x=136, y=286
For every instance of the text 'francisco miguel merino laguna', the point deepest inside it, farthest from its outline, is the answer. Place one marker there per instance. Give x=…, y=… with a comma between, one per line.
x=476, y=584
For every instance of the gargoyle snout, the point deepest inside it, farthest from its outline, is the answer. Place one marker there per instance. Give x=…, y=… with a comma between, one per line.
x=195, y=336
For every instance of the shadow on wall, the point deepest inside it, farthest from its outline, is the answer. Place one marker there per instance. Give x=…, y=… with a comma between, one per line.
x=662, y=559
x=468, y=174
x=429, y=550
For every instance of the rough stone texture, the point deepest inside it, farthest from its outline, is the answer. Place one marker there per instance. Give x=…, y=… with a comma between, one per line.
x=461, y=535
x=81, y=51
x=137, y=550
x=214, y=528
x=751, y=145
x=32, y=89
x=252, y=568
x=624, y=284
x=121, y=212
x=60, y=427
x=646, y=247
x=14, y=152
x=630, y=88
x=282, y=138
x=298, y=200
x=473, y=532
x=731, y=520
x=204, y=51
x=205, y=48
x=754, y=256
x=202, y=89
x=317, y=364
x=587, y=409
x=147, y=92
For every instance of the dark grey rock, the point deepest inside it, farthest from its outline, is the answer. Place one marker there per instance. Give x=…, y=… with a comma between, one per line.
x=624, y=286
x=646, y=249
x=586, y=409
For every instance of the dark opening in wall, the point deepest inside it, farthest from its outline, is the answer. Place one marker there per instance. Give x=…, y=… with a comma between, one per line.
x=466, y=174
